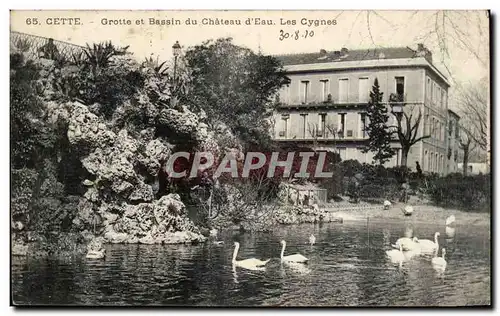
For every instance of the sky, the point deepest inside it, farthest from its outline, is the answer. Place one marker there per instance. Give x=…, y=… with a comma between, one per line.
x=459, y=40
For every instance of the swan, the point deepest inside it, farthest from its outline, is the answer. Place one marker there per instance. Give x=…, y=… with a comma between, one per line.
x=408, y=210
x=218, y=242
x=312, y=239
x=428, y=245
x=439, y=263
x=96, y=254
x=407, y=243
x=250, y=264
x=450, y=220
x=297, y=258
x=396, y=255
x=387, y=204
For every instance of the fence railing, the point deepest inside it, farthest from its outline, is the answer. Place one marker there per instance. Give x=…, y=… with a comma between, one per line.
x=32, y=45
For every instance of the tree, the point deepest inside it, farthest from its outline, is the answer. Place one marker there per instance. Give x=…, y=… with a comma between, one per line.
x=467, y=145
x=235, y=86
x=408, y=127
x=473, y=103
x=380, y=138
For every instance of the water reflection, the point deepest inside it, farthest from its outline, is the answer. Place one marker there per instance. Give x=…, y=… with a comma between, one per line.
x=347, y=266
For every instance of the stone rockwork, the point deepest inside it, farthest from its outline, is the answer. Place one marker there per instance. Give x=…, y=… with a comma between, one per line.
x=120, y=200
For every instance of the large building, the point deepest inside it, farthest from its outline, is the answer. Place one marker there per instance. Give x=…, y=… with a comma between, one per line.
x=324, y=104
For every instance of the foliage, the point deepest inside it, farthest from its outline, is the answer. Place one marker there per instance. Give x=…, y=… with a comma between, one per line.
x=469, y=193
x=100, y=55
x=380, y=137
x=235, y=86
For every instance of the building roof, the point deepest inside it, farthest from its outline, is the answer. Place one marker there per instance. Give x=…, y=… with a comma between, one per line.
x=385, y=54
x=350, y=55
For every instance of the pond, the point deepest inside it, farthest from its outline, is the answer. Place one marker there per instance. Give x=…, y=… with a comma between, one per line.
x=348, y=267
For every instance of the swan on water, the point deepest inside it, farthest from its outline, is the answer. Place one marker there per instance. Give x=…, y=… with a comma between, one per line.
x=297, y=258
x=439, y=263
x=428, y=245
x=312, y=239
x=396, y=256
x=218, y=242
x=250, y=264
x=96, y=254
x=407, y=243
x=450, y=220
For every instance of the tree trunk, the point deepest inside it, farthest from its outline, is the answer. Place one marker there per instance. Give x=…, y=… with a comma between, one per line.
x=404, y=156
x=465, y=160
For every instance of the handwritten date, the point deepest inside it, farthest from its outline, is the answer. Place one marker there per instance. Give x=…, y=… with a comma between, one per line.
x=295, y=35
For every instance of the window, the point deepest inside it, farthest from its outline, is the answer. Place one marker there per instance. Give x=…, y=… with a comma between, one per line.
x=362, y=125
x=429, y=162
x=436, y=162
x=286, y=94
x=450, y=128
x=322, y=125
x=438, y=97
x=284, y=120
x=443, y=99
x=432, y=92
x=364, y=90
x=343, y=90
x=457, y=131
x=400, y=86
x=304, y=124
x=428, y=89
x=426, y=160
x=304, y=92
x=325, y=89
x=427, y=124
x=469, y=168
x=341, y=124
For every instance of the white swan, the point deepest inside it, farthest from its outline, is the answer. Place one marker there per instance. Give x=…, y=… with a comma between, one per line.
x=396, y=256
x=250, y=264
x=407, y=243
x=387, y=204
x=428, y=245
x=408, y=210
x=439, y=263
x=450, y=220
x=297, y=258
x=312, y=239
x=96, y=254
x=218, y=242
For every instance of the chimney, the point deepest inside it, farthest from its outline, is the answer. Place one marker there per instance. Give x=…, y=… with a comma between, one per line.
x=423, y=51
x=344, y=51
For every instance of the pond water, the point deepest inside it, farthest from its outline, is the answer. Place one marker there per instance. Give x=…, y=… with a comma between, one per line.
x=348, y=267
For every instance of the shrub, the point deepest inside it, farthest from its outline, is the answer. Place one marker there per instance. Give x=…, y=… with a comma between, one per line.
x=469, y=193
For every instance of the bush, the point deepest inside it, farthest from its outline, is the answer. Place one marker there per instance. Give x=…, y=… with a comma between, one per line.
x=469, y=193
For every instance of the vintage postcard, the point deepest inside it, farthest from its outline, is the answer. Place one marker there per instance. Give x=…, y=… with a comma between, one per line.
x=250, y=158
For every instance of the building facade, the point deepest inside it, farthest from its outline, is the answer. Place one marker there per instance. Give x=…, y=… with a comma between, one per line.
x=324, y=104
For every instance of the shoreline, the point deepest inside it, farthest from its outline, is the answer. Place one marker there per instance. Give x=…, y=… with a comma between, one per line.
x=422, y=213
